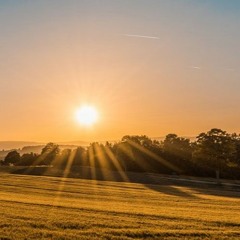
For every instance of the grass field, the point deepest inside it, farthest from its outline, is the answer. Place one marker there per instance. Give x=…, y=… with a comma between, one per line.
x=40, y=207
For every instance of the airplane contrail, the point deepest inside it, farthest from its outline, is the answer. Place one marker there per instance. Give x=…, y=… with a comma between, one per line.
x=195, y=67
x=140, y=36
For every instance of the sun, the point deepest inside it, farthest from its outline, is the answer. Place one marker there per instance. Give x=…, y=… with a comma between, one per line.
x=86, y=115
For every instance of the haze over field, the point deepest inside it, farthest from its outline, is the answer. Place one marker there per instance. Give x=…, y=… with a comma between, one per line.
x=146, y=66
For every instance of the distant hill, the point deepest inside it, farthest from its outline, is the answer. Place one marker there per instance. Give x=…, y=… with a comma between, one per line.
x=8, y=145
x=35, y=147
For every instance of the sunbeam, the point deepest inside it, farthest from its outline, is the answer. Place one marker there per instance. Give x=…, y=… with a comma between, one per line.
x=154, y=156
x=116, y=163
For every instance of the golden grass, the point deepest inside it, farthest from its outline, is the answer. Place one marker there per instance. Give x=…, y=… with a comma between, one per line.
x=34, y=207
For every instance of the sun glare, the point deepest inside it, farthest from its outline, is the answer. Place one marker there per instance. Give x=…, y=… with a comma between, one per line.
x=86, y=115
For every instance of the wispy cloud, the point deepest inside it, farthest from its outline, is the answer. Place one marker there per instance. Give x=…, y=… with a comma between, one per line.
x=195, y=67
x=140, y=36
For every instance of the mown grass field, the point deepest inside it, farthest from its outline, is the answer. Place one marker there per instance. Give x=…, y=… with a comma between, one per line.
x=40, y=207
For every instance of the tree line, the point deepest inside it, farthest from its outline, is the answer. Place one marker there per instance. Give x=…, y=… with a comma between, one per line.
x=213, y=153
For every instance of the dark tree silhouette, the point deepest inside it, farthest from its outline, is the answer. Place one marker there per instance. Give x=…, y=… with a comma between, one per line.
x=79, y=157
x=236, y=140
x=214, y=152
x=27, y=159
x=214, y=149
x=63, y=158
x=177, y=146
x=142, y=140
x=12, y=158
x=49, y=154
x=178, y=151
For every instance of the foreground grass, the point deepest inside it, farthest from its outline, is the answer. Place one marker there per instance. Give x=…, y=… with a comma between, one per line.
x=35, y=207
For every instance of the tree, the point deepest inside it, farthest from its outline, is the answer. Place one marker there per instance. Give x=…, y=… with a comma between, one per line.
x=79, y=157
x=63, y=159
x=177, y=146
x=178, y=151
x=142, y=140
x=127, y=156
x=236, y=140
x=12, y=158
x=49, y=153
x=139, y=153
x=214, y=149
x=27, y=159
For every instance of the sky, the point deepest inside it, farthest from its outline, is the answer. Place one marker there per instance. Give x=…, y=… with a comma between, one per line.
x=148, y=66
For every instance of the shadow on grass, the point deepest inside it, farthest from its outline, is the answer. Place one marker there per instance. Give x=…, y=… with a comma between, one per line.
x=171, y=190
x=152, y=181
